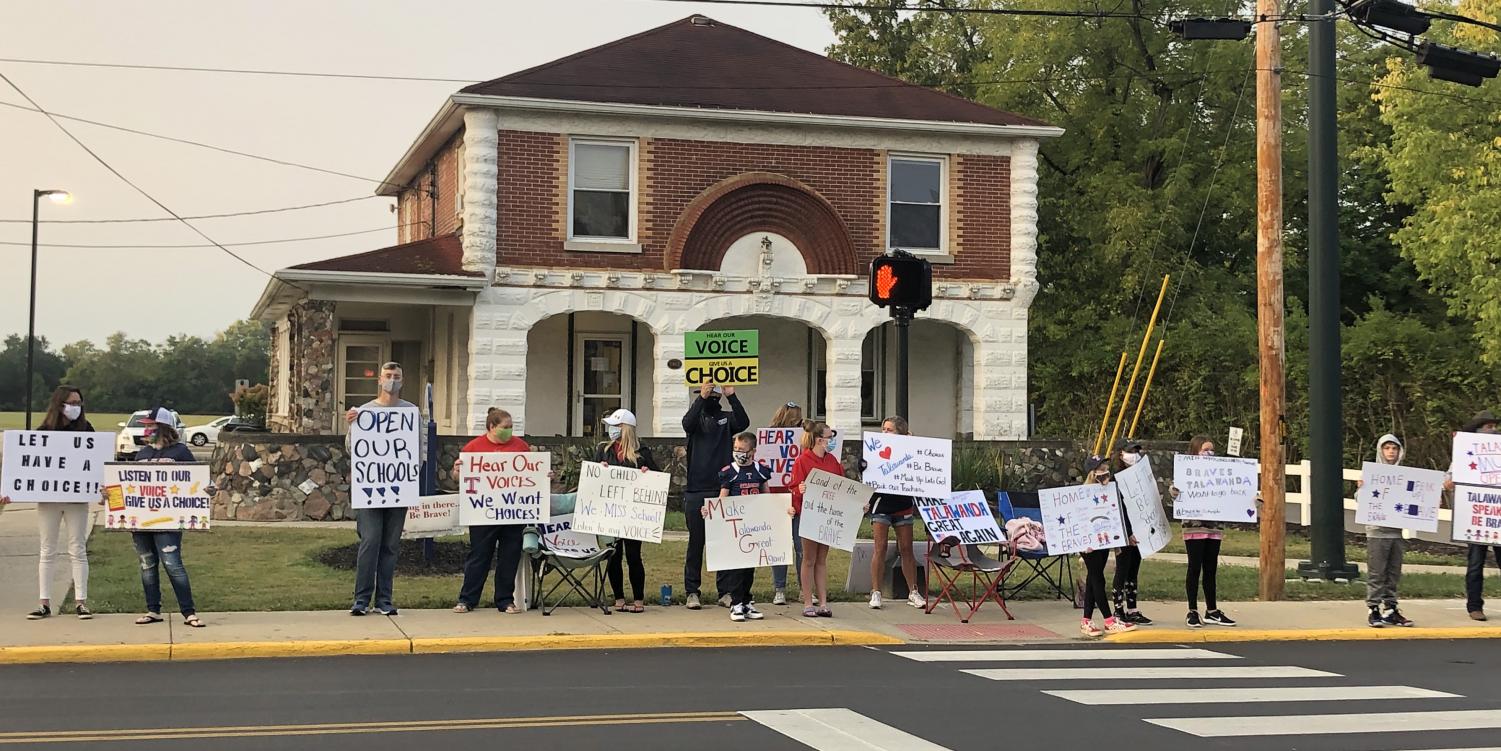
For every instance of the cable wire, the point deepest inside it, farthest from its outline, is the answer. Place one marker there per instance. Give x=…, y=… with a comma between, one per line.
x=215, y=245
x=199, y=216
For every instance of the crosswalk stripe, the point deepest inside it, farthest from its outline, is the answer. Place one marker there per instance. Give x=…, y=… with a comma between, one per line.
x=1384, y=722
x=1239, y=695
x=839, y=730
x=1063, y=655
x=1136, y=673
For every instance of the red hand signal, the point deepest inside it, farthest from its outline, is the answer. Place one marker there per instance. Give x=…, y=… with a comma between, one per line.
x=885, y=282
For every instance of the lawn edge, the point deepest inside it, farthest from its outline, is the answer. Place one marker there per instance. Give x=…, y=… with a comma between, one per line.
x=1208, y=636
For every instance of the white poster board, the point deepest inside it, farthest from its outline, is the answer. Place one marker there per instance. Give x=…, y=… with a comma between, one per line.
x=1476, y=459
x=748, y=531
x=1080, y=518
x=433, y=516
x=504, y=487
x=832, y=509
x=1399, y=497
x=385, y=458
x=1232, y=446
x=562, y=539
x=778, y=448
x=1142, y=502
x=621, y=502
x=54, y=466
x=156, y=497
x=964, y=515
x=907, y=464
x=1214, y=488
x=1477, y=515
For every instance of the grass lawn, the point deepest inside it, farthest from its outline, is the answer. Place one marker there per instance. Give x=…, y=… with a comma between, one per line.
x=105, y=421
x=1239, y=542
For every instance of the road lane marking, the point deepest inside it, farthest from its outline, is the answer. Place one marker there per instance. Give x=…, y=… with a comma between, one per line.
x=1239, y=695
x=840, y=730
x=1063, y=655
x=1324, y=724
x=1135, y=673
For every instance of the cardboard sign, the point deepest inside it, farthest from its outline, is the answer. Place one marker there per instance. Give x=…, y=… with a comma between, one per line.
x=724, y=358
x=1142, y=502
x=156, y=497
x=385, y=458
x=1477, y=515
x=964, y=515
x=1399, y=497
x=433, y=516
x=907, y=464
x=621, y=502
x=562, y=539
x=1215, y=488
x=55, y=466
x=504, y=487
x=1080, y=518
x=1476, y=459
x=1232, y=446
x=778, y=448
x=832, y=509
x=748, y=531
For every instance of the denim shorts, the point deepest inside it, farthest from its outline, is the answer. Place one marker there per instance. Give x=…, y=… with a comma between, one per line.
x=888, y=520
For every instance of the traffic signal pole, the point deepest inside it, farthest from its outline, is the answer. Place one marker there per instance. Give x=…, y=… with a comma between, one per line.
x=903, y=284
x=903, y=318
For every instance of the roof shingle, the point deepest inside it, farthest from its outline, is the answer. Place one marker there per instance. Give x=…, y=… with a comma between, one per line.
x=442, y=255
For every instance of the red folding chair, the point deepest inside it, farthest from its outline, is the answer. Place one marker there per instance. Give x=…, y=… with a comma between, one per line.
x=952, y=562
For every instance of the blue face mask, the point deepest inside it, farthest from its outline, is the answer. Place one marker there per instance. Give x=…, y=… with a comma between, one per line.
x=613, y=431
x=833, y=445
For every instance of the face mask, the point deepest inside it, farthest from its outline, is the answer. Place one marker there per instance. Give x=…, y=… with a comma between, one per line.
x=148, y=433
x=833, y=445
x=503, y=435
x=742, y=457
x=613, y=431
x=1207, y=452
x=72, y=411
x=1130, y=459
x=392, y=386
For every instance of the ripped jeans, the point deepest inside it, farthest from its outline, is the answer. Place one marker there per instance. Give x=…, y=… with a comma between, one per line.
x=164, y=548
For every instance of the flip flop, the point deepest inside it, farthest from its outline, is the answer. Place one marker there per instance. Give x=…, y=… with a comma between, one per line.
x=634, y=607
x=193, y=620
x=148, y=618
x=810, y=612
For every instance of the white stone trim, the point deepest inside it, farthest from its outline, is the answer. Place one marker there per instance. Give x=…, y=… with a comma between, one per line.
x=480, y=178
x=1024, y=221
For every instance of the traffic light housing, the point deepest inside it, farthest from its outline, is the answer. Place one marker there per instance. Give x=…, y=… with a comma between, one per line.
x=901, y=280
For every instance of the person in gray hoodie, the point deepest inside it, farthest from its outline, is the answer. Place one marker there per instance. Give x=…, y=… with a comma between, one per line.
x=1384, y=547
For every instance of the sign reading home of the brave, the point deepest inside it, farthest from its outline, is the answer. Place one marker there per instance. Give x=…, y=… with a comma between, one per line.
x=1399, y=497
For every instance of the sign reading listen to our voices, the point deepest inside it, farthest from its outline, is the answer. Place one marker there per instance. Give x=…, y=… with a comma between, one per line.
x=621, y=502
x=778, y=448
x=1476, y=459
x=385, y=458
x=964, y=515
x=832, y=509
x=907, y=464
x=748, y=531
x=1142, y=502
x=148, y=497
x=1399, y=497
x=1477, y=514
x=1215, y=488
x=46, y=466
x=504, y=488
x=1080, y=518
x=725, y=358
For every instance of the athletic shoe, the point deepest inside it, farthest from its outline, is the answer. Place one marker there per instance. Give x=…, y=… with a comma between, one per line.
x=388, y=610
x=1477, y=615
x=692, y=603
x=1374, y=619
x=724, y=601
x=917, y=600
x=1118, y=626
x=1139, y=618
x=875, y=600
x=1395, y=618
x=357, y=610
x=83, y=612
x=39, y=613
x=779, y=597
x=1087, y=628
x=737, y=614
x=1193, y=620
x=752, y=613
x=1218, y=618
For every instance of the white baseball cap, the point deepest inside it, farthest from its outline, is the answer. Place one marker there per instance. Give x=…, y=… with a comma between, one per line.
x=621, y=417
x=158, y=414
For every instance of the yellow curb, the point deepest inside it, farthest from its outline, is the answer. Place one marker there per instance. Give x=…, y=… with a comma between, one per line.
x=235, y=650
x=644, y=641
x=84, y=653
x=1178, y=636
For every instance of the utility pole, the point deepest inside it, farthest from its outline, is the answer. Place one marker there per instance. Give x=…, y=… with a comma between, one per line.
x=1269, y=299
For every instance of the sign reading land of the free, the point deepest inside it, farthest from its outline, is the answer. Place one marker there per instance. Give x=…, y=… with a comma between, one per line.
x=1477, y=515
x=385, y=458
x=1142, y=502
x=152, y=497
x=1477, y=459
x=964, y=515
x=833, y=506
x=621, y=502
x=1399, y=497
x=504, y=487
x=1215, y=488
x=1080, y=518
x=53, y=466
x=723, y=358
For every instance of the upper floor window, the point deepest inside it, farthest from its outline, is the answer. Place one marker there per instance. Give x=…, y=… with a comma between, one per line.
x=916, y=193
x=601, y=180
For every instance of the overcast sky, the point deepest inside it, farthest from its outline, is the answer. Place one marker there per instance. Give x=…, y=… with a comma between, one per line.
x=350, y=126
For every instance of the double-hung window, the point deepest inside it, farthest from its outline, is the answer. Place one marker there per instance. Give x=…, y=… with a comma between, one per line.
x=601, y=196
x=916, y=209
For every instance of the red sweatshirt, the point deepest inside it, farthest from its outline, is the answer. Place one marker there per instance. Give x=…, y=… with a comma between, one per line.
x=805, y=463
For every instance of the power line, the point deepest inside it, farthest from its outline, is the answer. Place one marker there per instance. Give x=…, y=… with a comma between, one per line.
x=237, y=71
x=215, y=245
x=200, y=216
x=925, y=9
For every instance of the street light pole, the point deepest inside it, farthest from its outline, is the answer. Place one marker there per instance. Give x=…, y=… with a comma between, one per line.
x=57, y=196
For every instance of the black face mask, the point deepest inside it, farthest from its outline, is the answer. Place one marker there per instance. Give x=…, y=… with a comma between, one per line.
x=712, y=404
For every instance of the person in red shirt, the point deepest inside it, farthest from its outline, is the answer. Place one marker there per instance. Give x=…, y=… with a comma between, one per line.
x=501, y=542
x=820, y=450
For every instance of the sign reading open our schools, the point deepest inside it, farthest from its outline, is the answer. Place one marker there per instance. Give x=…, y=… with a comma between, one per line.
x=724, y=358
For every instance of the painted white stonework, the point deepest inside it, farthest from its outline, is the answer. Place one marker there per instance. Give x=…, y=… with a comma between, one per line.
x=481, y=181
x=763, y=254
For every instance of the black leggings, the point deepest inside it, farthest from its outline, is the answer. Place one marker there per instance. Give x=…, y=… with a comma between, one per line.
x=630, y=550
x=1094, y=583
x=1123, y=590
x=1203, y=556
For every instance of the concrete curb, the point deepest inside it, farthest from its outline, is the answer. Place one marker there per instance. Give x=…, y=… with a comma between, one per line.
x=1208, y=636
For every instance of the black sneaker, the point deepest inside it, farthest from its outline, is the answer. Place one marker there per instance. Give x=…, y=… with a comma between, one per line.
x=388, y=610
x=1193, y=620
x=38, y=614
x=1218, y=618
x=358, y=610
x=1395, y=618
x=83, y=612
x=1374, y=619
x=1139, y=618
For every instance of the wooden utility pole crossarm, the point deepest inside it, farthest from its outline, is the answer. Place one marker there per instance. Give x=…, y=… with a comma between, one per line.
x=1269, y=298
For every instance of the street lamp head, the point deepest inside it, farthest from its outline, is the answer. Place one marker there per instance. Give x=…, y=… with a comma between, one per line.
x=56, y=196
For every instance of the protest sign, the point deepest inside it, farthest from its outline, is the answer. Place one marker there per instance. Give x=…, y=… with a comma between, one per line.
x=385, y=458
x=1477, y=515
x=509, y=487
x=778, y=448
x=1142, y=502
x=562, y=539
x=1399, y=497
x=1215, y=488
x=54, y=466
x=748, y=531
x=907, y=464
x=1476, y=459
x=621, y=502
x=433, y=516
x=156, y=497
x=964, y=515
x=832, y=509
x=1080, y=518
x=725, y=358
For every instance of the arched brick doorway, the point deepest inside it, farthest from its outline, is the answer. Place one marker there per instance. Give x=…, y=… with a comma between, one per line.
x=761, y=202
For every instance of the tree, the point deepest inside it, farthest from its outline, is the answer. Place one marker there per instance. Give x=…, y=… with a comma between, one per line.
x=47, y=372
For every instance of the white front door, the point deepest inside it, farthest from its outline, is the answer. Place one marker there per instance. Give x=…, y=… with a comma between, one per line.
x=358, y=377
x=601, y=380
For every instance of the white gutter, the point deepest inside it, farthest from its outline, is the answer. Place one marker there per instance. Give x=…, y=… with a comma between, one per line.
x=442, y=127
x=382, y=278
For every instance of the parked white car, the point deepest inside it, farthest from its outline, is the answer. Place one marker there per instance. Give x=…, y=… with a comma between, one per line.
x=131, y=436
x=203, y=435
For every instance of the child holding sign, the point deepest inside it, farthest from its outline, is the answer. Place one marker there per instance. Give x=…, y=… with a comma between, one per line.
x=1384, y=548
x=743, y=476
x=1097, y=471
x=820, y=450
x=1202, y=539
x=163, y=548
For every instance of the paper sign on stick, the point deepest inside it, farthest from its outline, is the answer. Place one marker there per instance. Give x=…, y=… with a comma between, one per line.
x=621, y=502
x=156, y=497
x=778, y=448
x=1142, y=502
x=964, y=515
x=725, y=358
x=433, y=516
x=1476, y=459
x=1477, y=514
x=385, y=458
x=1080, y=518
x=1399, y=497
x=907, y=464
x=46, y=466
x=832, y=509
x=1215, y=488
x=504, y=487
x=748, y=531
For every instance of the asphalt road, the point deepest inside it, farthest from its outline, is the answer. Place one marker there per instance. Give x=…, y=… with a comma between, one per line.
x=1430, y=695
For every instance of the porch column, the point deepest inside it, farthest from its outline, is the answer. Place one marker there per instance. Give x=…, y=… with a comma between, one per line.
x=481, y=139
x=1000, y=378
x=670, y=395
x=497, y=363
x=842, y=384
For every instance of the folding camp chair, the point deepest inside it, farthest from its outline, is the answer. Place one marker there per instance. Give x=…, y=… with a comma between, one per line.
x=1055, y=571
x=950, y=562
x=578, y=571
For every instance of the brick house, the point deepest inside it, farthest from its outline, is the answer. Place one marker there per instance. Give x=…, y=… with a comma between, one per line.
x=561, y=228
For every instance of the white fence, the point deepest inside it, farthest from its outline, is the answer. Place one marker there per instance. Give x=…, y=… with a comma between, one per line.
x=1304, y=515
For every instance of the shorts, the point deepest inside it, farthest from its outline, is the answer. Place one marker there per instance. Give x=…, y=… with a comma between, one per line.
x=906, y=520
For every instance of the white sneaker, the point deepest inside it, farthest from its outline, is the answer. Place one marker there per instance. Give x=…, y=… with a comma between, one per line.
x=692, y=603
x=752, y=613
x=917, y=601
x=724, y=602
x=1087, y=628
x=737, y=613
x=875, y=600
x=779, y=597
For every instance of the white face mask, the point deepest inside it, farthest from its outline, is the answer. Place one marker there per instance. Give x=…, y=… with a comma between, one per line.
x=1130, y=458
x=72, y=411
x=613, y=431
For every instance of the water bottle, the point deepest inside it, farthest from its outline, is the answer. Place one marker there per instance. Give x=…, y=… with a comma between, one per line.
x=666, y=595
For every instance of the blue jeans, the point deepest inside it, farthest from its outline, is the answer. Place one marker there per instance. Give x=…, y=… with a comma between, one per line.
x=375, y=564
x=163, y=548
x=779, y=573
x=1475, y=575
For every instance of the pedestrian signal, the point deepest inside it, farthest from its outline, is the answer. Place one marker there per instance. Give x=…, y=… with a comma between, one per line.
x=901, y=280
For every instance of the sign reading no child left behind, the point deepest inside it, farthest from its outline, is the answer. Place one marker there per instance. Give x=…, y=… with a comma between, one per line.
x=724, y=358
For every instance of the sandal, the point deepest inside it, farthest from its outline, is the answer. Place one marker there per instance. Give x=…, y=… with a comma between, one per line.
x=461, y=608
x=810, y=612
x=825, y=613
x=148, y=618
x=619, y=605
x=511, y=609
x=635, y=607
x=193, y=620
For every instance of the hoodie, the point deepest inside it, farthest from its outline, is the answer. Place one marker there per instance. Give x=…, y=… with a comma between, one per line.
x=1387, y=533
x=711, y=438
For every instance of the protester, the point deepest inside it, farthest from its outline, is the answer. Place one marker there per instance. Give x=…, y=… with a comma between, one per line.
x=1202, y=540
x=163, y=445
x=498, y=542
x=820, y=450
x=1097, y=471
x=625, y=450
x=1384, y=547
x=1484, y=422
x=893, y=512
x=64, y=413
x=379, y=529
x=1128, y=559
x=743, y=476
x=710, y=432
x=788, y=415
